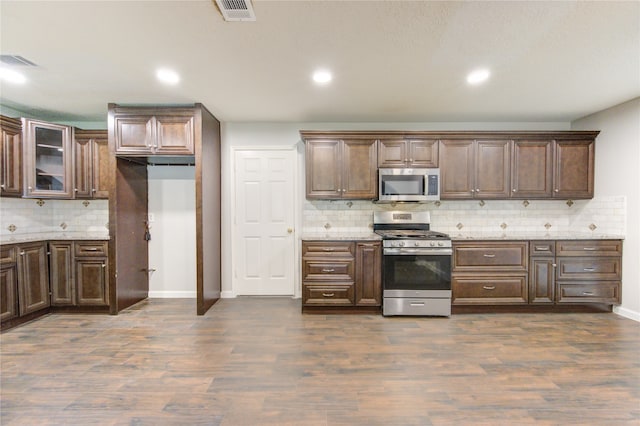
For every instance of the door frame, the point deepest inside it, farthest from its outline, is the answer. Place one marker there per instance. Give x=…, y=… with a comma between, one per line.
x=297, y=215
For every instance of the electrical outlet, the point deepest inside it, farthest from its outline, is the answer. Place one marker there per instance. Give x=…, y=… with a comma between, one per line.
x=151, y=217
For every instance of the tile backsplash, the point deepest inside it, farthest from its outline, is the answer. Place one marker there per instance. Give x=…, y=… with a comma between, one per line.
x=600, y=216
x=20, y=216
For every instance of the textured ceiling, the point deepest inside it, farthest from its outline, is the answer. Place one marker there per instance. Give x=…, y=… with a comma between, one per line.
x=393, y=61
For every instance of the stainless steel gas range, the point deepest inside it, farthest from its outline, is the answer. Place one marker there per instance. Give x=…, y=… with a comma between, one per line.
x=416, y=264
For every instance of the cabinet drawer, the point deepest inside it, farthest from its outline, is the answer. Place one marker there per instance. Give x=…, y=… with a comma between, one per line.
x=542, y=248
x=7, y=255
x=328, y=248
x=600, y=292
x=471, y=257
x=327, y=270
x=589, y=268
x=589, y=248
x=328, y=295
x=489, y=290
x=90, y=248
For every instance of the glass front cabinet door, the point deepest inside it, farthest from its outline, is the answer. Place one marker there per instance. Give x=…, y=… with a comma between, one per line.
x=48, y=158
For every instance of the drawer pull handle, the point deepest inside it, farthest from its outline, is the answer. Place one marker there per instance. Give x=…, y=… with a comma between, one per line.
x=417, y=304
x=90, y=249
x=587, y=293
x=589, y=248
x=589, y=269
x=328, y=294
x=489, y=255
x=328, y=270
x=327, y=249
x=489, y=287
x=542, y=248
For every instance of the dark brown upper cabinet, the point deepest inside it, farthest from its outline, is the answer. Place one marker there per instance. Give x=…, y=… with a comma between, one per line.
x=408, y=153
x=11, y=154
x=341, y=168
x=573, y=168
x=146, y=131
x=475, y=169
x=91, y=161
x=532, y=169
x=48, y=159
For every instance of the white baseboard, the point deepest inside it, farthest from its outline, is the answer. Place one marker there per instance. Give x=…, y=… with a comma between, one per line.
x=627, y=313
x=228, y=295
x=172, y=294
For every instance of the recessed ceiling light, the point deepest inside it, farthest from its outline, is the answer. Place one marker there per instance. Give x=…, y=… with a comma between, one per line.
x=478, y=76
x=322, y=76
x=12, y=76
x=168, y=76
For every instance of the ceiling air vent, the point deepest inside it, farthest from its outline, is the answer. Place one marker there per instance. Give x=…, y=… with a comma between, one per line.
x=16, y=60
x=236, y=10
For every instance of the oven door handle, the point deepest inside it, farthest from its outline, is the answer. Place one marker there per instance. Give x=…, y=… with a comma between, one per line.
x=418, y=251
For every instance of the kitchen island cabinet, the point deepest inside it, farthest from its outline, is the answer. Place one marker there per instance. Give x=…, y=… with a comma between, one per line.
x=341, y=275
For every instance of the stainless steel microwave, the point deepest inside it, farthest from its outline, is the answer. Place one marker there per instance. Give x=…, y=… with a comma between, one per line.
x=408, y=185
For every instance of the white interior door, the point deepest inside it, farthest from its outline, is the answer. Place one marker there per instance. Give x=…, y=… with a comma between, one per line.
x=264, y=237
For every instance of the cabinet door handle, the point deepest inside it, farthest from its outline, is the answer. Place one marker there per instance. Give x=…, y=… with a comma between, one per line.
x=104, y=266
x=589, y=248
x=589, y=269
x=22, y=253
x=489, y=287
x=2, y=186
x=473, y=190
x=556, y=190
x=411, y=160
x=328, y=294
x=513, y=190
x=328, y=270
x=489, y=255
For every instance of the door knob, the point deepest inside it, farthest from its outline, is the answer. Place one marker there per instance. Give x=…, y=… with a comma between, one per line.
x=289, y=230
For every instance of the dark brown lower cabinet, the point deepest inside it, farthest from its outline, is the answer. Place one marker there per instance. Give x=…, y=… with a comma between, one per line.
x=8, y=291
x=545, y=272
x=33, y=277
x=341, y=274
x=60, y=269
x=79, y=273
x=91, y=282
x=369, y=274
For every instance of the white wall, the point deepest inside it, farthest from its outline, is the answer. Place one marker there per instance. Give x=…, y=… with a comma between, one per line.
x=172, y=249
x=618, y=174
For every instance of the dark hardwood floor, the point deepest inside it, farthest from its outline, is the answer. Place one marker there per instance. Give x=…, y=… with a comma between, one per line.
x=252, y=361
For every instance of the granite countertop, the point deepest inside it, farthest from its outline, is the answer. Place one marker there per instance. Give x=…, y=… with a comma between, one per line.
x=342, y=236
x=533, y=236
x=51, y=236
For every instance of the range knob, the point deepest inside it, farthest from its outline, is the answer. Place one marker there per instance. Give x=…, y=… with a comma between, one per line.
x=401, y=243
x=417, y=244
x=440, y=243
x=432, y=244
